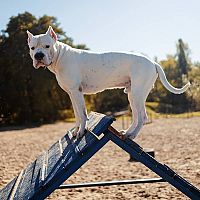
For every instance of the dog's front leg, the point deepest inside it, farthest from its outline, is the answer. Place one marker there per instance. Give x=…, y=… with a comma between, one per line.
x=75, y=109
x=78, y=103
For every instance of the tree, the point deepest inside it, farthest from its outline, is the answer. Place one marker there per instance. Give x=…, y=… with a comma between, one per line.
x=159, y=93
x=111, y=100
x=28, y=95
x=194, y=91
x=169, y=102
x=183, y=57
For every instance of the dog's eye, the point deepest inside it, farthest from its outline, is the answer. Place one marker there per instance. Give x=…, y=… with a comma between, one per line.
x=47, y=46
x=32, y=48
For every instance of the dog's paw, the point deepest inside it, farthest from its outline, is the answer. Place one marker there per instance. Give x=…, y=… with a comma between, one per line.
x=130, y=135
x=123, y=132
x=126, y=134
x=75, y=132
x=80, y=134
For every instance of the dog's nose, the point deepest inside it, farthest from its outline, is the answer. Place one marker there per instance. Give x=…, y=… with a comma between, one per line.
x=39, y=56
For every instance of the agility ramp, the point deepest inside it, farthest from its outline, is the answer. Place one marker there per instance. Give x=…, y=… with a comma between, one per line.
x=67, y=155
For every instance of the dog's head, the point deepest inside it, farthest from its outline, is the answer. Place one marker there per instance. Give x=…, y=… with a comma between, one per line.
x=42, y=47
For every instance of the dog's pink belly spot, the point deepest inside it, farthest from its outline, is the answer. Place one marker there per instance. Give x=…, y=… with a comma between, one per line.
x=90, y=85
x=91, y=89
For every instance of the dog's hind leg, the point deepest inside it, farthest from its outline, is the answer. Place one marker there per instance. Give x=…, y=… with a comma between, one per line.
x=140, y=88
x=138, y=112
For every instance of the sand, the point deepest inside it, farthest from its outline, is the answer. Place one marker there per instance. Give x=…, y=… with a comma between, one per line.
x=176, y=143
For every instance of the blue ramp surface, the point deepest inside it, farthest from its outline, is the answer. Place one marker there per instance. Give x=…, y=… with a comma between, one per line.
x=56, y=165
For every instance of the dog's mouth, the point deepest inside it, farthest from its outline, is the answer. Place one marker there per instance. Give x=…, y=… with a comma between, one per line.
x=39, y=63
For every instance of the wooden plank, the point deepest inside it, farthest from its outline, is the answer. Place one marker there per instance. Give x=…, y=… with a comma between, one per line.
x=60, y=147
x=36, y=179
x=64, y=143
x=98, y=123
x=44, y=167
x=24, y=188
x=79, y=147
x=19, y=178
x=66, y=139
x=72, y=151
x=32, y=179
x=55, y=154
x=86, y=142
x=64, y=174
x=68, y=142
x=6, y=191
x=94, y=119
x=54, y=158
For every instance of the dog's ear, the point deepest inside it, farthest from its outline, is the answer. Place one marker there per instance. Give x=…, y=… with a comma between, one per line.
x=30, y=36
x=51, y=32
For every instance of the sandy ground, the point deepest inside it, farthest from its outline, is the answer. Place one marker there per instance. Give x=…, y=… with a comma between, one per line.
x=175, y=141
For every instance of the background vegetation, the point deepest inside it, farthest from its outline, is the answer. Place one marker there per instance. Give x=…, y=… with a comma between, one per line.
x=33, y=96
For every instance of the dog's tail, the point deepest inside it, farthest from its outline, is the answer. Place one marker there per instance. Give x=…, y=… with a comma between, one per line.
x=166, y=84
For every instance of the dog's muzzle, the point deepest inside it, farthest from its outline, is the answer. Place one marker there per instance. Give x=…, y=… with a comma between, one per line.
x=39, y=56
x=40, y=61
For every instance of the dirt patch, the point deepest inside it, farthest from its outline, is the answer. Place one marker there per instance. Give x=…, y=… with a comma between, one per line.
x=175, y=141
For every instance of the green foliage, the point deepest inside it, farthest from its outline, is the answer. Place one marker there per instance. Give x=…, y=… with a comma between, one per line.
x=183, y=57
x=194, y=92
x=176, y=69
x=111, y=100
x=28, y=95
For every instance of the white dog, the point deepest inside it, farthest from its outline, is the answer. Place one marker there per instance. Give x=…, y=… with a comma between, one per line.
x=80, y=72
